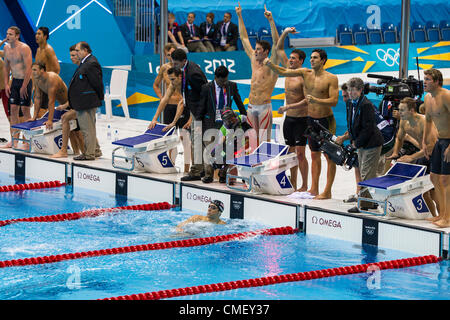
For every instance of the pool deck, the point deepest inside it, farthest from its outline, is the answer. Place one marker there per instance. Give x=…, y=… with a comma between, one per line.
x=344, y=184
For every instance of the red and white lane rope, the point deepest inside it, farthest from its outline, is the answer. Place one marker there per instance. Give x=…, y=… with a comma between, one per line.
x=146, y=247
x=32, y=186
x=88, y=213
x=265, y=281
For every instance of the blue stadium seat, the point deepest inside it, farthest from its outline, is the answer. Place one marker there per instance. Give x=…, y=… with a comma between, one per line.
x=418, y=32
x=360, y=35
x=346, y=39
x=375, y=36
x=432, y=29
x=344, y=35
x=287, y=42
x=389, y=33
x=252, y=37
x=265, y=34
x=399, y=28
x=444, y=26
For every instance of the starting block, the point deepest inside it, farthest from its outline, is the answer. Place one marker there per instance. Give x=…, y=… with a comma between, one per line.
x=40, y=139
x=400, y=191
x=148, y=151
x=264, y=170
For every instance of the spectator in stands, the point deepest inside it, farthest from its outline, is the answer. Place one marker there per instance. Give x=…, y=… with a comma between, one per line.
x=364, y=135
x=208, y=32
x=227, y=34
x=191, y=35
x=174, y=32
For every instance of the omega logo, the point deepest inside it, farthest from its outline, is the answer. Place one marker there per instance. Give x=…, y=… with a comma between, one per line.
x=326, y=222
x=197, y=197
x=87, y=176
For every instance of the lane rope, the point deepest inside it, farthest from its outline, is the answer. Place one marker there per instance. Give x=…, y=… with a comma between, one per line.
x=89, y=213
x=270, y=280
x=146, y=247
x=32, y=186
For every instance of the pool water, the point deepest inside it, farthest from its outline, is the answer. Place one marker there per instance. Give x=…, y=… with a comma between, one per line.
x=146, y=271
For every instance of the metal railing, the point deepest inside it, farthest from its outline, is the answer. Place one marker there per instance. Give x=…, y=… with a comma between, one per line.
x=144, y=20
x=144, y=17
x=124, y=8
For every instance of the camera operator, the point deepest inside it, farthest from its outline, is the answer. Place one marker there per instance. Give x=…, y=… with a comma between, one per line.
x=364, y=136
x=388, y=110
x=353, y=197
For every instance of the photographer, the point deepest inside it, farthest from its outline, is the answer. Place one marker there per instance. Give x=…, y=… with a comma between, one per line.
x=364, y=136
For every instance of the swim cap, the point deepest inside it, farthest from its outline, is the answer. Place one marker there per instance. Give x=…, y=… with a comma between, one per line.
x=230, y=121
x=219, y=204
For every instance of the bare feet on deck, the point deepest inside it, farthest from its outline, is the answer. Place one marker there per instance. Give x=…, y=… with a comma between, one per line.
x=323, y=196
x=442, y=223
x=59, y=154
x=434, y=219
x=302, y=189
x=8, y=145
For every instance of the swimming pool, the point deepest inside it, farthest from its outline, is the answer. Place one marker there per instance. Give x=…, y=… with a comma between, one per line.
x=146, y=271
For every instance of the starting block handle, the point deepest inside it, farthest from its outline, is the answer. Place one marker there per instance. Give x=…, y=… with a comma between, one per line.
x=23, y=140
x=114, y=157
x=381, y=203
x=245, y=179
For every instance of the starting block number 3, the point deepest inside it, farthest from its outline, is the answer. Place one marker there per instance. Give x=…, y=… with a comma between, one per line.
x=419, y=204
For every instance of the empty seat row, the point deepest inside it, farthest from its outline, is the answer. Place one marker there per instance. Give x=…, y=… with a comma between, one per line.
x=389, y=33
x=262, y=34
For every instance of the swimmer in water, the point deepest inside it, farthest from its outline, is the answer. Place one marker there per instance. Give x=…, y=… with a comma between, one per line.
x=215, y=210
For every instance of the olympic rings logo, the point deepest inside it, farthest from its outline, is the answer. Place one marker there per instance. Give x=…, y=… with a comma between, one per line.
x=389, y=57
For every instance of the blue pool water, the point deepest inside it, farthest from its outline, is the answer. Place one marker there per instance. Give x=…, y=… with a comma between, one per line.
x=138, y=272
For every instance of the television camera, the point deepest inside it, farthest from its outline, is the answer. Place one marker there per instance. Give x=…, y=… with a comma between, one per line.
x=344, y=156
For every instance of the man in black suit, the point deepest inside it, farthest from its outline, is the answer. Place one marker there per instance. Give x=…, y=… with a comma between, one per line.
x=191, y=85
x=216, y=96
x=364, y=135
x=227, y=34
x=191, y=35
x=85, y=96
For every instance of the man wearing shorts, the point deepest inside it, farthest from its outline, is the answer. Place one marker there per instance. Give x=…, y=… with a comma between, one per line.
x=296, y=108
x=75, y=136
x=437, y=111
x=52, y=85
x=413, y=124
x=3, y=96
x=171, y=107
x=180, y=114
x=18, y=61
x=322, y=93
x=259, y=113
x=47, y=56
